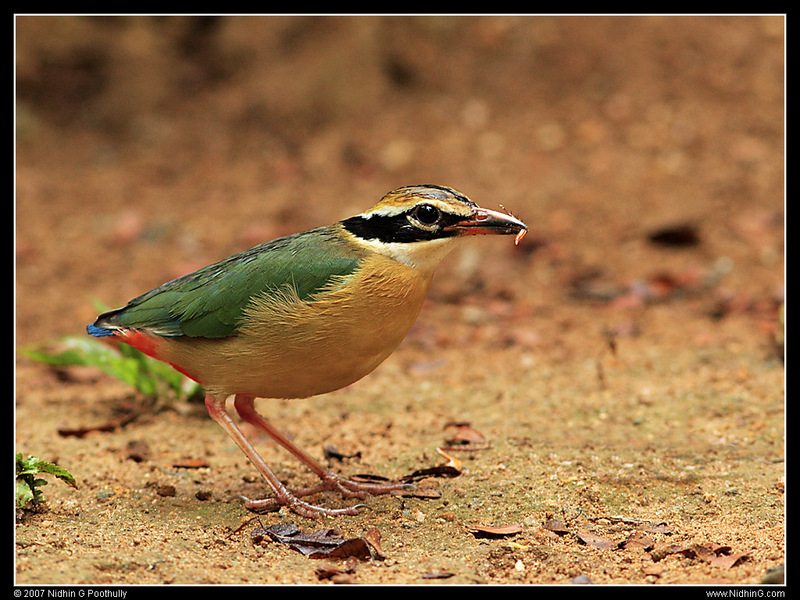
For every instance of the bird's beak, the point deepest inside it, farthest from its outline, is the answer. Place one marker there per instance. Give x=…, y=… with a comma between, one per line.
x=486, y=221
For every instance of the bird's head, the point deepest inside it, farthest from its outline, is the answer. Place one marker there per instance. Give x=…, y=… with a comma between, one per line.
x=419, y=225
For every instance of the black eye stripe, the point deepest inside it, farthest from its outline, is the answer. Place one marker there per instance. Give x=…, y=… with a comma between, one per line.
x=397, y=228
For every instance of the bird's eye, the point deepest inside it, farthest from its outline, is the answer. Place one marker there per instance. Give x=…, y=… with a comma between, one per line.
x=426, y=214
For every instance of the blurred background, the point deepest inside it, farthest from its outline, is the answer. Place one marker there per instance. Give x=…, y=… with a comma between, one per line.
x=148, y=146
x=624, y=359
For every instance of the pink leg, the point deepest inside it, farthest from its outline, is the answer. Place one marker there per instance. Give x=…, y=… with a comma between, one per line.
x=218, y=412
x=245, y=406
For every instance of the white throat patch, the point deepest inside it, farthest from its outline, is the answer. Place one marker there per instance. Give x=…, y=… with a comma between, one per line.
x=424, y=255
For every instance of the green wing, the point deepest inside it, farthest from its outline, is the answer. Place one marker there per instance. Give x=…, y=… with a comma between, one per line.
x=210, y=302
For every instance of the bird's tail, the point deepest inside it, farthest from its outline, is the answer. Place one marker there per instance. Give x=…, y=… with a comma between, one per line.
x=96, y=331
x=105, y=325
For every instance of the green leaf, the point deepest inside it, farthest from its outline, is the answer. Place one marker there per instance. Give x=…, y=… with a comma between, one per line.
x=23, y=493
x=129, y=365
x=27, y=484
x=60, y=472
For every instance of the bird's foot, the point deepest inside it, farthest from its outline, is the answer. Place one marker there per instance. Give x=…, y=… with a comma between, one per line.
x=360, y=489
x=304, y=509
x=348, y=488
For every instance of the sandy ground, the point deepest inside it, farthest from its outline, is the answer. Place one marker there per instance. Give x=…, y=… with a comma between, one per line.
x=622, y=363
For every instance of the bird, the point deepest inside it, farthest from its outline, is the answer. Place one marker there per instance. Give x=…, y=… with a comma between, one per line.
x=303, y=315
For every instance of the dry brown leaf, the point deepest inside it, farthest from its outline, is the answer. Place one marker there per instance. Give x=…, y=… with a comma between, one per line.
x=452, y=468
x=452, y=461
x=488, y=531
x=373, y=538
x=715, y=555
x=440, y=471
x=638, y=540
x=463, y=434
x=594, y=540
x=324, y=543
x=556, y=526
x=351, y=547
x=698, y=551
x=726, y=561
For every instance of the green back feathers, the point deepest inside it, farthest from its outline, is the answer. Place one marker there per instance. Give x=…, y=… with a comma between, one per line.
x=210, y=303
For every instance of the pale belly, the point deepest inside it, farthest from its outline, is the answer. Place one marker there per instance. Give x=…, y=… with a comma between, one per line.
x=302, y=349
